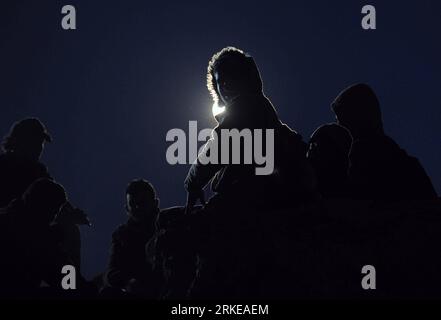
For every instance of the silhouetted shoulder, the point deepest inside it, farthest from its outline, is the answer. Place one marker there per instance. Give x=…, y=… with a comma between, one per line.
x=9, y=160
x=170, y=216
x=121, y=232
x=292, y=139
x=18, y=173
x=380, y=169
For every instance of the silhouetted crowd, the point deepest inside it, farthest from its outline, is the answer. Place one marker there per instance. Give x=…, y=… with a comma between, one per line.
x=348, y=198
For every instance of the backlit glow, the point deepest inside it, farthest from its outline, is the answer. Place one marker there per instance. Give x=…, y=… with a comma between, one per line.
x=217, y=110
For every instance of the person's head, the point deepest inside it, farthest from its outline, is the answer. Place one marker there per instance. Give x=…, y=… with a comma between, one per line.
x=141, y=201
x=357, y=108
x=329, y=148
x=43, y=199
x=27, y=138
x=231, y=73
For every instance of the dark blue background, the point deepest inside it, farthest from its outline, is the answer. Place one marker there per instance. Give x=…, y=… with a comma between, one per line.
x=110, y=91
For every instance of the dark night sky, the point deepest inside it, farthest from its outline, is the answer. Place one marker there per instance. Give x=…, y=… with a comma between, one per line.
x=110, y=91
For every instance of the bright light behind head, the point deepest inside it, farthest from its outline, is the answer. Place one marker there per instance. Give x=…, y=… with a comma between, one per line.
x=217, y=110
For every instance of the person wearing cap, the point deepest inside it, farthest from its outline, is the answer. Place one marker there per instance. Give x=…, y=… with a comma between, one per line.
x=20, y=166
x=378, y=168
x=20, y=161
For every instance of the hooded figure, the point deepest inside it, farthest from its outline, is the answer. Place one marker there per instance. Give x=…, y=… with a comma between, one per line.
x=379, y=169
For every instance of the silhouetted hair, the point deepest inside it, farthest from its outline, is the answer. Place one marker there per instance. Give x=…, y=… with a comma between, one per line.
x=141, y=186
x=333, y=135
x=236, y=61
x=25, y=129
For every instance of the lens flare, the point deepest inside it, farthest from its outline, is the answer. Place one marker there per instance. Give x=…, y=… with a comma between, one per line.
x=217, y=110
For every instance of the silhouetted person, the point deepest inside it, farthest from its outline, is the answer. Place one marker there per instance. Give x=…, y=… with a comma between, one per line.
x=236, y=259
x=128, y=268
x=234, y=82
x=32, y=253
x=19, y=164
x=328, y=154
x=379, y=169
x=66, y=227
x=174, y=249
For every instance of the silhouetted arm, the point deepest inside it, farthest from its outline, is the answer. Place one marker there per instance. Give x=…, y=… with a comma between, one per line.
x=117, y=274
x=201, y=173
